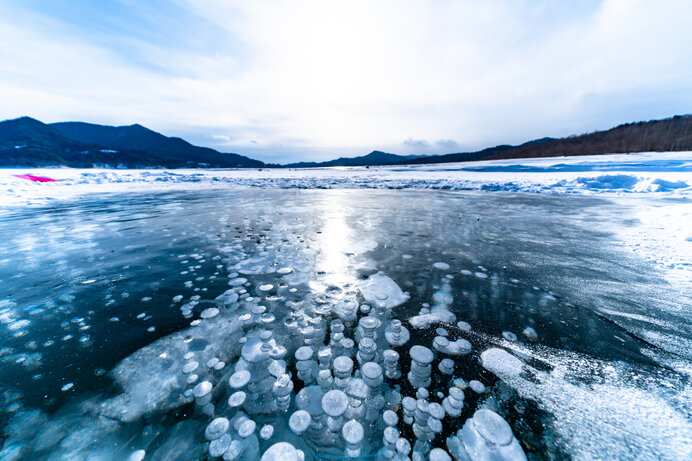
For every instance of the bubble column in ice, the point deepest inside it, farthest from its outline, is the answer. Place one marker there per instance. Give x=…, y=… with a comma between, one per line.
x=446, y=366
x=336, y=335
x=454, y=402
x=357, y=392
x=343, y=367
x=255, y=358
x=202, y=393
x=373, y=408
x=403, y=448
x=352, y=433
x=396, y=334
x=347, y=345
x=367, y=327
x=216, y=433
x=421, y=357
x=310, y=399
x=257, y=312
x=325, y=380
x=334, y=405
x=424, y=434
x=437, y=413
x=390, y=434
x=409, y=404
x=372, y=376
x=324, y=357
x=282, y=388
x=391, y=364
x=367, y=351
x=304, y=364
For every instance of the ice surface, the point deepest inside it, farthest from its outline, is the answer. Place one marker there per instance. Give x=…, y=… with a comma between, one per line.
x=652, y=172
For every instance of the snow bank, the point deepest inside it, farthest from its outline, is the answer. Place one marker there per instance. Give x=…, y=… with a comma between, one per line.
x=661, y=173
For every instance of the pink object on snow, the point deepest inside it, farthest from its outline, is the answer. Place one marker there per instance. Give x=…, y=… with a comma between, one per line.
x=31, y=177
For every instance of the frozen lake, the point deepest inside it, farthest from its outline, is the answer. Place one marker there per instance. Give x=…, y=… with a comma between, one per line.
x=97, y=297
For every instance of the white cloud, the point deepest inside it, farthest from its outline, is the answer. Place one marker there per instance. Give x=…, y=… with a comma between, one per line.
x=344, y=78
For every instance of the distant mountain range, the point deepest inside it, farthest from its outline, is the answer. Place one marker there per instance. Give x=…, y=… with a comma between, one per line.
x=667, y=135
x=375, y=157
x=28, y=142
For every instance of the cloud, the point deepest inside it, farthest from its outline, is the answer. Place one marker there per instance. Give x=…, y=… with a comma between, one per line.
x=416, y=144
x=308, y=79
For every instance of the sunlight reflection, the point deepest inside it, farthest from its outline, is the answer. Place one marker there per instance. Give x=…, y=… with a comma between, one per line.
x=335, y=243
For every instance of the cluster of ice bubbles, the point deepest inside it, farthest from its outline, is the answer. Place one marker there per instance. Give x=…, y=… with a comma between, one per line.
x=282, y=375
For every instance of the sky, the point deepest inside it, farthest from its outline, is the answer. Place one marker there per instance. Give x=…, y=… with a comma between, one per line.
x=285, y=81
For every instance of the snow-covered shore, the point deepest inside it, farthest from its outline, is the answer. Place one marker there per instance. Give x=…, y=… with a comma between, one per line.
x=652, y=173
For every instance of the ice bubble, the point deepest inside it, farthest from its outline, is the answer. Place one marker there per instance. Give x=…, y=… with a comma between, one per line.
x=189, y=367
x=530, y=333
x=509, y=336
x=403, y=447
x=421, y=354
x=284, y=271
x=487, y=435
x=446, y=366
x=67, y=387
x=390, y=418
x=352, y=432
x=236, y=399
x=441, y=265
x=137, y=455
x=310, y=399
x=239, y=379
x=477, y=386
x=343, y=365
x=216, y=428
x=481, y=275
x=438, y=454
x=464, y=326
x=219, y=446
x=234, y=451
x=266, y=287
x=209, y=312
x=304, y=353
x=266, y=432
x=202, y=389
x=282, y=451
x=380, y=290
x=299, y=421
x=372, y=374
x=501, y=362
x=177, y=298
x=334, y=403
x=246, y=428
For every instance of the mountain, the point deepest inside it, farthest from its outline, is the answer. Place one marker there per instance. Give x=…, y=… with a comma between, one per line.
x=29, y=142
x=375, y=157
x=671, y=134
